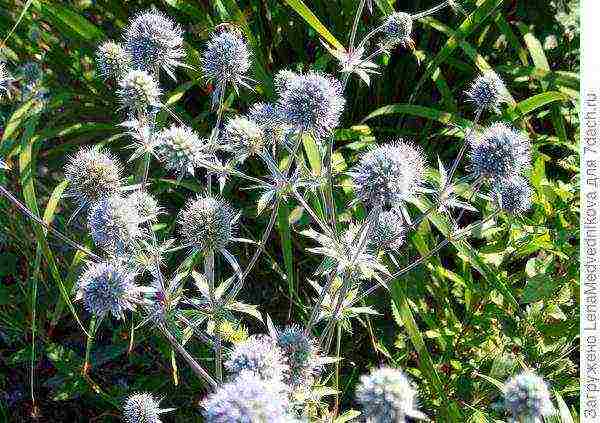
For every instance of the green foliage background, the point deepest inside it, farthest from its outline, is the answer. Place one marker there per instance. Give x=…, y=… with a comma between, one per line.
x=471, y=316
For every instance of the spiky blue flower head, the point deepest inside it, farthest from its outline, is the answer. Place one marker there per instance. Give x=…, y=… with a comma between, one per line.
x=500, y=152
x=270, y=121
x=226, y=60
x=142, y=408
x=283, y=79
x=389, y=174
x=248, y=399
x=513, y=194
x=261, y=355
x=207, y=223
x=139, y=92
x=180, y=149
x=312, y=102
x=92, y=174
x=527, y=396
x=243, y=137
x=112, y=60
x=388, y=232
x=301, y=354
x=145, y=204
x=386, y=396
x=397, y=29
x=487, y=91
x=114, y=223
x=108, y=287
x=154, y=41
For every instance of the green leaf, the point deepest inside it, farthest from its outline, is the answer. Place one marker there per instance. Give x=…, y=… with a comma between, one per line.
x=420, y=111
x=303, y=10
x=64, y=17
x=535, y=102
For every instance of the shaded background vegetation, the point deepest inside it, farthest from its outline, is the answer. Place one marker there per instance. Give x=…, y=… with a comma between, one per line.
x=467, y=334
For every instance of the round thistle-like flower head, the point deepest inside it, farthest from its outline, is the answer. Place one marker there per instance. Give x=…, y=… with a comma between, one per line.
x=180, y=149
x=258, y=354
x=114, y=224
x=142, y=408
x=513, y=195
x=387, y=231
x=92, y=175
x=397, y=29
x=5, y=78
x=270, y=121
x=243, y=137
x=248, y=399
x=500, y=153
x=527, y=395
x=139, y=92
x=154, y=42
x=389, y=174
x=312, y=102
x=386, y=395
x=112, y=60
x=487, y=91
x=145, y=204
x=207, y=223
x=282, y=80
x=108, y=287
x=301, y=353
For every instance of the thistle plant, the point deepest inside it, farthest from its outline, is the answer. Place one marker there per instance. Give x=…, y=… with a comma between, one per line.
x=113, y=61
x=527, y=398
x=142, y=408
x=260, y=355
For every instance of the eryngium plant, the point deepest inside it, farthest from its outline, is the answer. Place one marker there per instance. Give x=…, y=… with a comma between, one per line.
x=142, y=408
x=527, y=398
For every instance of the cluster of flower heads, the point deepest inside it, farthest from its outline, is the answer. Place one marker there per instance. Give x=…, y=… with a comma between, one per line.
x=526, y=396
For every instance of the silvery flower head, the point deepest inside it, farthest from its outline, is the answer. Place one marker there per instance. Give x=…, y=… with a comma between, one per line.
x=312, y=102
x=260, y=355
x=243, y=137
x=388, y=231
x=390, y=174
x=283, y=79
x=500, y=152
x=513, y=194
x=145, y=204
x=226, y=60
x=180, y=149
x=114, y=223
x=248, y=399
x=142, y=408
x=270, y=121
x=301, y=353
x=397, y=29
x=112, y=60
x=487, y=91
x=139, y=92
x=108, y=287
x=526, y=396
x=5, y=78
x=207, y=223
x=92, y=174
x=154, y=41
x=386, y=395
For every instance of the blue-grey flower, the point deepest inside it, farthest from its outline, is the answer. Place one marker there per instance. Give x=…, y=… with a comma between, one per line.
x=142, y=408
x=390, y=174
x=139, y=92
x=526, y=396
x=243, y=137
x=487, y=91
x=92, y=174
x=145, y=204
x=154, y=41
x=513, y=194
x=500, y=152
x=387, y=396
x=180, y=149
x=112, y=60
x=312, y=102
x=301, y=354
x=270, y=122
x=5, y=78
x=260, y=355
x=388, y=232
x=283, y=79
x=114, y=223
x=397, y=29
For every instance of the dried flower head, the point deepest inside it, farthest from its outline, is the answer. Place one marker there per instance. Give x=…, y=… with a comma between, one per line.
x=207, y=223
x=243, y=137
x=180, y=149
x=397, y=29
x=142, y=408
x=500, y=152
x=389, y=174
x=487, y=91
x=114, y=223
x=386, y=396
x=139, y=92
x=388, y=232
x=154, y=41
x=513, y=194
x=527, y=396
x=270, y=122
x=248, y=399
x=301, y=354
x=112, y=60
x=312, y=102
x=108, y=287
x=145, y=204
x=92, y=174
x=226, y=60
x=261, y=355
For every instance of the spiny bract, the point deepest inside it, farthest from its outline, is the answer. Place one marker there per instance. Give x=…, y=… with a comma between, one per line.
x=180, y=149
x=527, y=396
x=389, y=174
x=207, y=223
x=112, y=60
x=500, y=152
x=397, y=29
x=92, y=174
x=513, y=194
x=387, y=232
x=142, y=408
x=243, y=137
x=154, y=42
x=114, y=223
x=487, y=91
x=301, y=353
x=387, y=396
x=139, y=92
x=260, y=355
